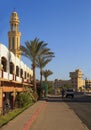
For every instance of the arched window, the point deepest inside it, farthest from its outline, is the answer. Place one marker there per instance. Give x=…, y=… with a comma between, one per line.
x=21, y=73
x=13, y=42
x=30, y=77
x=4, y=63
x=11, y=68
x=25, y=75
x=17, y=42
x=17, y=71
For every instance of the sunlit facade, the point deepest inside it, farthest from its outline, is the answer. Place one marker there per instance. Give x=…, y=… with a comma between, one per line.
x=77, y=81
x=87, y=84
x=14, y=73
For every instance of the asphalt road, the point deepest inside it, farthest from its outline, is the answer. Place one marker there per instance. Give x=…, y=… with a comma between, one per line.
x=82, y=107
x=80, y=104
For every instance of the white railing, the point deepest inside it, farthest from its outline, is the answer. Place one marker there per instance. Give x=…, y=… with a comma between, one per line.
x=5, y=75
x=10, y=76
x=18, y=79
x=25, y=80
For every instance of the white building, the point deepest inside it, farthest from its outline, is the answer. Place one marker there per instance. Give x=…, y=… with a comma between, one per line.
x=14, y=74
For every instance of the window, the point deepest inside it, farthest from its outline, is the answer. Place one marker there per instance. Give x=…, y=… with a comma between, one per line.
x=25, y=75
x=13, y=42
x=21, y=73
x=4, y=63
x=11, y=67
x=17, y=71
x=17, y=43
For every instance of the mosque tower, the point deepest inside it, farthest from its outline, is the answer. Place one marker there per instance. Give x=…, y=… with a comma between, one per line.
x=14, y=34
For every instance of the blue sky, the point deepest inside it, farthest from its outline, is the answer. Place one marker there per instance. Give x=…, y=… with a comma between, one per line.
x=64, y=24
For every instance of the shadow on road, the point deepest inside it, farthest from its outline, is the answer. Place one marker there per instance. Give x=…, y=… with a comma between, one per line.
x=80, y=104
x=79, y=99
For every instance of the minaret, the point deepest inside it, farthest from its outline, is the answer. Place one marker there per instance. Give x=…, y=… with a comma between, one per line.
x=14, y=34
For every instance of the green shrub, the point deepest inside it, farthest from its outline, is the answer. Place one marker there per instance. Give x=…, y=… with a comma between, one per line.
x=24, y=98
x=4, y=119
x=50, y=87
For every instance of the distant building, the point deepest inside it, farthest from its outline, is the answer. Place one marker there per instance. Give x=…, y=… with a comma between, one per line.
x=58, y=84
x=14, y=74
x=76, y=80
x=87, y=84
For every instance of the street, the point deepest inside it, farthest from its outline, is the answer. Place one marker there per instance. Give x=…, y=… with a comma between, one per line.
x=82, y=107
x=57, y=110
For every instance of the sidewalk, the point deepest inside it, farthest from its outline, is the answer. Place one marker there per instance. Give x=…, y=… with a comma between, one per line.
x=63, y=118
x=25, y=119
x=57, y=116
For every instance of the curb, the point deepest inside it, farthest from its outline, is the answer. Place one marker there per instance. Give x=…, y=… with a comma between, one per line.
x=33, y=117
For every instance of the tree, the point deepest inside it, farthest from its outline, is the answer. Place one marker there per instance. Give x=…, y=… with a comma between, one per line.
x=45, y=87
x=43, y=60
x=32, y=50
x=47, y=73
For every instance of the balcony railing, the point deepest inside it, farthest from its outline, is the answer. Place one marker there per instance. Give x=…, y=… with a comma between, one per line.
x=8, y=76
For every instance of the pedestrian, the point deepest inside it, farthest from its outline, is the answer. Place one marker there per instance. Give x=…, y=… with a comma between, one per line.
x=62, y=92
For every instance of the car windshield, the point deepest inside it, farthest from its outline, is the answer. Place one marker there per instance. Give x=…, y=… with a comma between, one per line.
x=70, y=90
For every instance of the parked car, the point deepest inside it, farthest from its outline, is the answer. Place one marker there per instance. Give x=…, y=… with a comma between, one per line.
x=69, y=93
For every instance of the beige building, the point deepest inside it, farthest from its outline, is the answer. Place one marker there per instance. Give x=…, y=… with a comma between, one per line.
x=87, y=84
x=76, y=80
x=58, y=84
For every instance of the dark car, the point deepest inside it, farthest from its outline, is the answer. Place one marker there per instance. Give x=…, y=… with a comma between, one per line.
x=69, y=93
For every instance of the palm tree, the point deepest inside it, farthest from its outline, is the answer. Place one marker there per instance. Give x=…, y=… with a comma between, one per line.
x=47, y=73
x=41, y=63
x=31, y=51
x=43, y=60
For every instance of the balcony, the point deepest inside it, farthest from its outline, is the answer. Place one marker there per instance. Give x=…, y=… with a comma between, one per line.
x=7, y=76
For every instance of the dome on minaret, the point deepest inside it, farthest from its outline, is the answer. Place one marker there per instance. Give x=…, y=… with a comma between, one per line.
x=14, y=17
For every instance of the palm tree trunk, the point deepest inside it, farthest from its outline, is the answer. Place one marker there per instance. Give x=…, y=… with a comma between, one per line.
x=46, y=79
x=40, y=77
x=34, y=77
